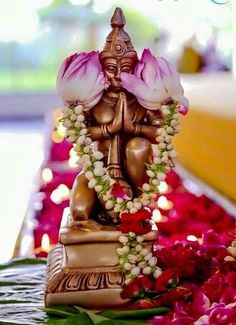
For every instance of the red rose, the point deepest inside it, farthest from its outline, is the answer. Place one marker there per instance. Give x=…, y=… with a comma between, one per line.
x=131, y=290
x=137, y=287
x=138, y=222
x=166, y=280
x=145, y=283
x=169, y=297
x=118, y=191
x=213, y=286
x=141, y=304
x=178, y=257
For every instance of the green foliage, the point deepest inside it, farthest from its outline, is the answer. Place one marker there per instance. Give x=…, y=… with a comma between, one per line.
x=78, y=315
x=26, y=261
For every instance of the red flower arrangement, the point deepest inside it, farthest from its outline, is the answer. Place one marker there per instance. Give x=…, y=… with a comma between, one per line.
x=206, y=299
x=198, y=280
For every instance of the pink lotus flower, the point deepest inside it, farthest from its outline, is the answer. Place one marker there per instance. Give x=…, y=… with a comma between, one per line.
x=154, y=81
x=80, y=79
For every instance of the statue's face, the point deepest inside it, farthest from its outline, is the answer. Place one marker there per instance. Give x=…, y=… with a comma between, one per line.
x=113, y=67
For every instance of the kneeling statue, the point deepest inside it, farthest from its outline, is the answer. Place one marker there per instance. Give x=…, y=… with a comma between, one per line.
x=121, y=114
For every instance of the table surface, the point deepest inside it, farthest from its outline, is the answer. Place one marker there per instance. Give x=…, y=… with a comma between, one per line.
x=22, y=293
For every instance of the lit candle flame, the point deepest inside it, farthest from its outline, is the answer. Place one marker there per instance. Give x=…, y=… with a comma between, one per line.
x=45, y=243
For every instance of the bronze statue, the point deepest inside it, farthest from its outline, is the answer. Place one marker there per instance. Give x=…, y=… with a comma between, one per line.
x=92, y=261
x=122, y=129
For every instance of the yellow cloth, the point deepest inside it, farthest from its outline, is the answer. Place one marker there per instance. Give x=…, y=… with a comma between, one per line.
x=206, y=144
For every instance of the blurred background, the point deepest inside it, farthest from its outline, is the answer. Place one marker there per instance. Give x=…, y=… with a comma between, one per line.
x=35, y=36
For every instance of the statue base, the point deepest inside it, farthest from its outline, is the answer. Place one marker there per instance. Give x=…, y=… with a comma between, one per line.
x=83, y=269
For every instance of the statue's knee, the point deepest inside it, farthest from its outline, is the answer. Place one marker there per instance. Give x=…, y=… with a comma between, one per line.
x=82, y=199
x=137, y=147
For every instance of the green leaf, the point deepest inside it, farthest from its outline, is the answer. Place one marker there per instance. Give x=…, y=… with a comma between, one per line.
x=12, y=301
x=79, y=319
x=123, y=322
x=62, y=311
x=95, y=318
x=142, y=313
x=26, y=261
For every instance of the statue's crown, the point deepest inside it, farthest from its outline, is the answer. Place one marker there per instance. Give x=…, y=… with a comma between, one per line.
x=118, y=42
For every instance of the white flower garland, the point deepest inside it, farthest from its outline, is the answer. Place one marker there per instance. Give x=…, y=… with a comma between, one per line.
x=134, y=258
x=97, y=175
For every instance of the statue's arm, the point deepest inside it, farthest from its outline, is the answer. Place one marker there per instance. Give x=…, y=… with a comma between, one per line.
x=146, y=131
x=152, y=124
x=147, y=128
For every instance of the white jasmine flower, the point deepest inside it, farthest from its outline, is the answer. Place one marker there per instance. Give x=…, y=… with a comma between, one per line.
x=87, y=149
x=109, y=204
x=135, y=271
x=71, y=138
x=127, y=266
x=92, y=183
x=78, y=109
x=123, y=239
x=157, y=273
x=137, y=205
x=80, y=118
x=89, y=175
x=140, y=239
x=146, y=187
x=117, y=208
x=147, y=270
x=161, y=176
x=98, y=155
x=83, y=131
x=169, y=130
x=73, y=117
x=152, y=261
x=98, y=188
x=148, y=256
x=138, y=248
x=142, y=264
x=129, y=205
x=125, y=249
x=67, y=123
x=173, y=154
x=80, y=140
x=150, y=173
x=70, y=132
x=98, y=171
x=144, y=252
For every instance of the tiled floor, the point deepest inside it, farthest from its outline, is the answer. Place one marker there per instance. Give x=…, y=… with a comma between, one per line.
x=21, y=153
